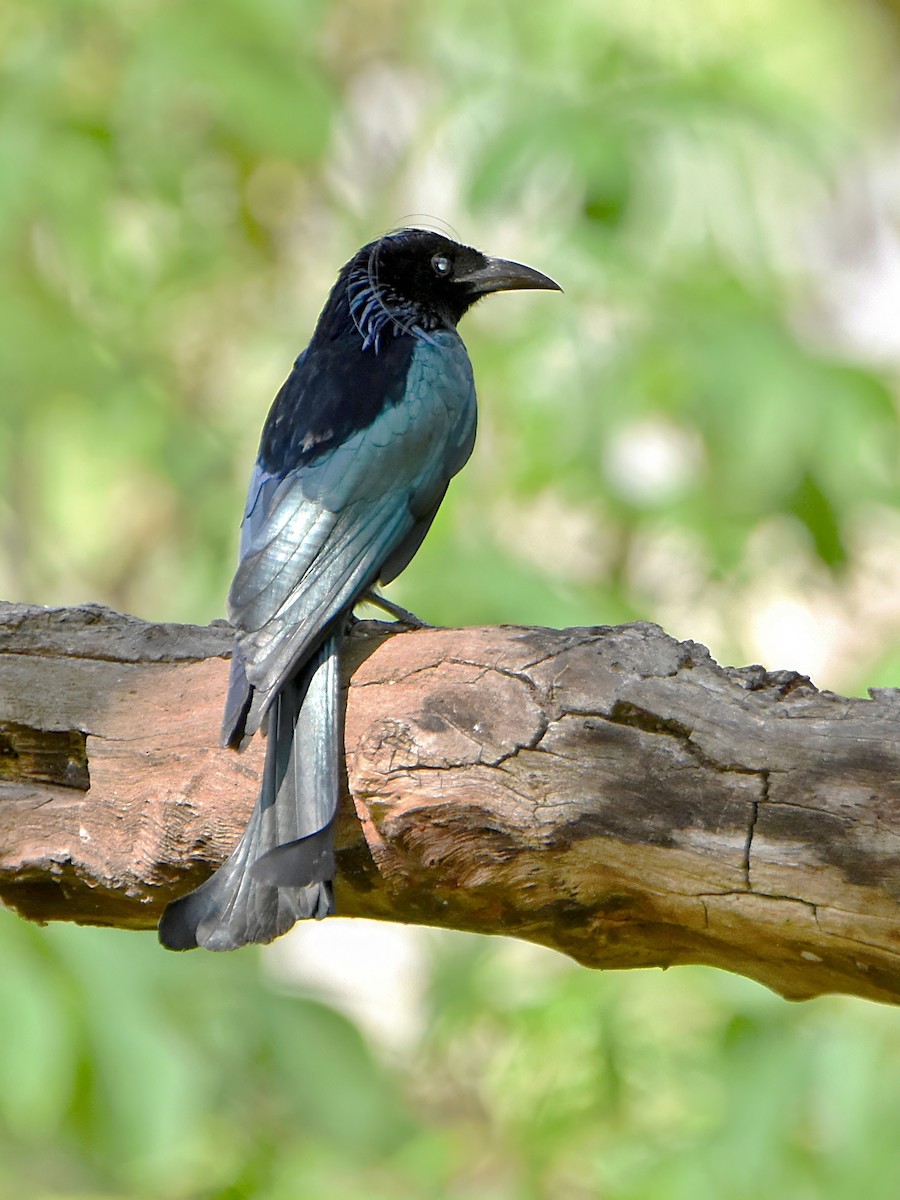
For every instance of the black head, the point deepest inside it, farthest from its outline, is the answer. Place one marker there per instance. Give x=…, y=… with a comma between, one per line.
x=415, y=278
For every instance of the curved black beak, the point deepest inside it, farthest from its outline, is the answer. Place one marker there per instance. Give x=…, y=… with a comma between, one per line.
x=501, y=275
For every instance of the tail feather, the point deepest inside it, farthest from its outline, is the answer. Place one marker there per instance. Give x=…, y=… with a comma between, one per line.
x=281, y=870
x=237, y=703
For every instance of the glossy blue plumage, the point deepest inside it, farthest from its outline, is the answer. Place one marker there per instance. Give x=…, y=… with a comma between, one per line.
x=376, y=417
x=316, y=538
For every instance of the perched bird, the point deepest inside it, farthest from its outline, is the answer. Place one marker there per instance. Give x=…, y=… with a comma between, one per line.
x=375, y=419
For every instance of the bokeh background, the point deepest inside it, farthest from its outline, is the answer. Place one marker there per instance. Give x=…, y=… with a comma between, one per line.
x=702, y=431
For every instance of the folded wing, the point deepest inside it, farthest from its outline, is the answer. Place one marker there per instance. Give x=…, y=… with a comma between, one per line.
x=315, y=538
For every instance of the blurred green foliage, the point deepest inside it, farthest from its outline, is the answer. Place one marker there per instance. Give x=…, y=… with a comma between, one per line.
x=687, y=436
x=130, y=1072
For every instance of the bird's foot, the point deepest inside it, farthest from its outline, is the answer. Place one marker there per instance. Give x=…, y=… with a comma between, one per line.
x=401, y=615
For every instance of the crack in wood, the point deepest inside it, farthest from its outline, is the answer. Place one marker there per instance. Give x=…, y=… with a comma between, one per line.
x=754, y=817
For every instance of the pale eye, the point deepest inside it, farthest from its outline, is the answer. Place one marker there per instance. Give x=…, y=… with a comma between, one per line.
x=441, y=265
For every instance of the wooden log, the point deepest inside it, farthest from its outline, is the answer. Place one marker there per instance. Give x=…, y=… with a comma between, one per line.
x=610, y=792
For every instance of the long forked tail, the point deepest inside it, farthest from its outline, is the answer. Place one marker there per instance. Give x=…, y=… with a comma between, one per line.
x=281, y=870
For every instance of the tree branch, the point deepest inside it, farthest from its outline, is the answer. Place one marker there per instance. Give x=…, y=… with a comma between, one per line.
x=609, y=792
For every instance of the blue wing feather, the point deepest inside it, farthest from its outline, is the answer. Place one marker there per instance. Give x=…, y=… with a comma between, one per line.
x=316, y=537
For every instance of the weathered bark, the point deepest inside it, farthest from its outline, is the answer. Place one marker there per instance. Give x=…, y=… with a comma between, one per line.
x=609, y=792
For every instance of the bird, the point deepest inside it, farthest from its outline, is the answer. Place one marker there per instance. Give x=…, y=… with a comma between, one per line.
x=376, y=417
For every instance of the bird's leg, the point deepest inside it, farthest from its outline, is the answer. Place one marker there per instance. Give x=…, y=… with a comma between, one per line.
x=402, y=615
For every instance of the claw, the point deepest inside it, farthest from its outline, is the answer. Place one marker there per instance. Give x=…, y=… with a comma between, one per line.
x=401, y=615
